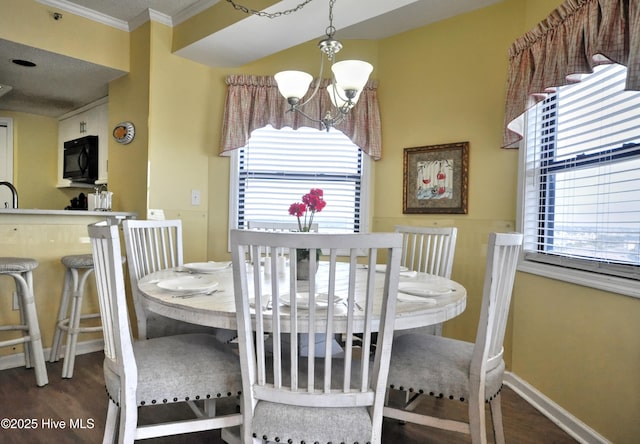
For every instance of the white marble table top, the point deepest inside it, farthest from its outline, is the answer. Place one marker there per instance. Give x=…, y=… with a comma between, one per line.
x=429, y=299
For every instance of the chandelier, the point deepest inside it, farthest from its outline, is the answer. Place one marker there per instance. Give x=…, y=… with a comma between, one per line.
x=347, y=81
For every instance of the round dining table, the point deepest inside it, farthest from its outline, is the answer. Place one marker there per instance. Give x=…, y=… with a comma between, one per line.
x=206, y=296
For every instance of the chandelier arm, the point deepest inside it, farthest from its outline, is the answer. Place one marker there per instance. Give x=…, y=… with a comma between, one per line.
x=327, y=122
x=318, y=82
x=307, y=116
x=348, y=102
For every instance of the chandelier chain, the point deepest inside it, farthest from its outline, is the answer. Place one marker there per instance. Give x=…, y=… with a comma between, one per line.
x=331, y=29
x=270, y=15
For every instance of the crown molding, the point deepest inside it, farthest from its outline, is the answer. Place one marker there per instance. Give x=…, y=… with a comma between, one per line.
x=87, y=13
x=137, y=21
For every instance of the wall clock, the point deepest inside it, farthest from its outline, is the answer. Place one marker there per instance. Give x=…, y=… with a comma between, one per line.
x=124, y=132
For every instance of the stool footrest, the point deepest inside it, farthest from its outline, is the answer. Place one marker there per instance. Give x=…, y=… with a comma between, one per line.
x=11, y=342
x=20, y=327
x=64, y=324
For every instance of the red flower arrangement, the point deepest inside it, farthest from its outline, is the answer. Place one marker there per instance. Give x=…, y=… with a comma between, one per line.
x=313, y=202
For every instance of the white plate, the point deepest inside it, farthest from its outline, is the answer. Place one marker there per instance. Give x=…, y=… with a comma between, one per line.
x=207, y=267
x=303, y=300
x=381, y=268
x=417, y=289
x=188, y=283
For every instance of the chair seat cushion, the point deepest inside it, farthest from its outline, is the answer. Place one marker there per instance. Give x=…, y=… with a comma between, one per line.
x=437, y=366
x=78, y=261
x=17, y=264
x=180, y=368
x=286, y=423
x=281, y=423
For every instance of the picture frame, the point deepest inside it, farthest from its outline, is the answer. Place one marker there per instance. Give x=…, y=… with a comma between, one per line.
x=436, y=179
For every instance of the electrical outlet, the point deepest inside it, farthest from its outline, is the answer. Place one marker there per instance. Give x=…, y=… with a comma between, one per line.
x=195, y=197
x=155, y=214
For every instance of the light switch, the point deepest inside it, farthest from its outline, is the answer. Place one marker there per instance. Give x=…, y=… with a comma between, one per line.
x=195, y=197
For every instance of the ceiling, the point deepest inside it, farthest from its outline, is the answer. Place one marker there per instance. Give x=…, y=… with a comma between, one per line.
x=59, y=84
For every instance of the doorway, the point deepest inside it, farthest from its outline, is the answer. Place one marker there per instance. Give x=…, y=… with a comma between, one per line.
x=6, y=160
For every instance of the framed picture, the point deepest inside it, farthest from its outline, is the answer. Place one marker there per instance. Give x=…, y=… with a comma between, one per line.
x=436, y=179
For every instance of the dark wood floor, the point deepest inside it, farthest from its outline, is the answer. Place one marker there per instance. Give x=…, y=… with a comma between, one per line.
x=73, y=411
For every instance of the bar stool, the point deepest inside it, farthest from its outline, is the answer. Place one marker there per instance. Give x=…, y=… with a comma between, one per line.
x=78, y=268
x=20, y=269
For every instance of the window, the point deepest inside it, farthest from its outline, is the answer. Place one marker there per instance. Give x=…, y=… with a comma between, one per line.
x=277, y=167
x=580, y=205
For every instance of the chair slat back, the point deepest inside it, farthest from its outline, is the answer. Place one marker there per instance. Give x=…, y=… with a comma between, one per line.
x=502, y=259
x=261, y=225
x=343, y=295
x=108, y=266
x=277, y=226
x=428, y=249
x=151, y=245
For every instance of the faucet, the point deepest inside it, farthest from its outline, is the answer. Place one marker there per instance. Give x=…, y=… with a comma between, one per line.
x=14, y=193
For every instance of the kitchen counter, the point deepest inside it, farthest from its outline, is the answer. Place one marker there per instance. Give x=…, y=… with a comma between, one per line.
x=37, y=212
x=47, y=236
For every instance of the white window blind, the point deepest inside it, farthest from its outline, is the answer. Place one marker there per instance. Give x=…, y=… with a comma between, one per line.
x=277, y=167
x=581, y=204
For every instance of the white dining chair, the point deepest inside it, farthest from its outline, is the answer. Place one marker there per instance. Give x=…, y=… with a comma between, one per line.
x=192, y=368
x=428, y=250
x=316, y=398
x=263, y=225
x=429, y=365
x=153, y=245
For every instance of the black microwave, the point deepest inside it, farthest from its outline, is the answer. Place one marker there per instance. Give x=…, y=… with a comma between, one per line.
x=81, y=159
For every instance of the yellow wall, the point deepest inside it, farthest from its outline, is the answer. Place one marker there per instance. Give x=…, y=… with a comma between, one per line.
x=580, y=347
x=215, y=18
x=36, y=162
x=442, y=84
x=181, y=140
x=31, y=23
x=129, y=101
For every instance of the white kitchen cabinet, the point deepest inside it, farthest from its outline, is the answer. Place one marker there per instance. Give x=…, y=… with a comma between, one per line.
x=90, y=120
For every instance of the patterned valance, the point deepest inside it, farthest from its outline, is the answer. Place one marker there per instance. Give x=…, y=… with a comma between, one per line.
x=577, y=36
x=254, y=102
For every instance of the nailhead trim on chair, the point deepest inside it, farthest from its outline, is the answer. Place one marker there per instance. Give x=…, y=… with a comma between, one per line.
x=440, y=395
x=290, y=441
x=110, y=398
x=165, y=401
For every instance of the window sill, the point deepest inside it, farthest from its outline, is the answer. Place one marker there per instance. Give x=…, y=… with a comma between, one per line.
x=626, y=287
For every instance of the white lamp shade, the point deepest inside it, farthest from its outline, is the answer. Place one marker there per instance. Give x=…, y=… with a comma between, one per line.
x=293, y=83
x=351, y=74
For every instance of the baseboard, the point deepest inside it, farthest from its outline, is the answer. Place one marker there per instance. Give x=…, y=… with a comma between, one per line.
x=559, y=416
x=17, y=359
